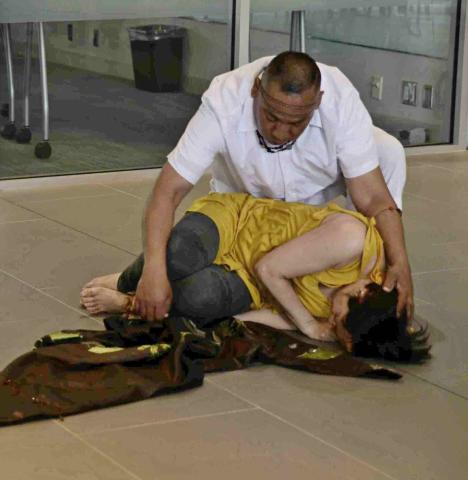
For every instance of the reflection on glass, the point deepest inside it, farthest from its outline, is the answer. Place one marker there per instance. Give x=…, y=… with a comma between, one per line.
x=410, y=44
x=117, y=101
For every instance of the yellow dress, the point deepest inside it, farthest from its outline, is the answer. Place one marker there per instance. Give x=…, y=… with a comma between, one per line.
x=250, y=227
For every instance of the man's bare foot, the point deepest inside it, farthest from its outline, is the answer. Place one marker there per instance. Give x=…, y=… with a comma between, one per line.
x=103, y=300
x=107, y=281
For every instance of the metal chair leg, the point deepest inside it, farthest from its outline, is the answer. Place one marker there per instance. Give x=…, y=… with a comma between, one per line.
x=24, y=134
x=43, y=149
x=5, y=110
x=9, y=130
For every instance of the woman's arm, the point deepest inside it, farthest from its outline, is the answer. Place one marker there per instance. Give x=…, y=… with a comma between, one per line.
x=337, y=241
x=267, y=317
x=322, y=331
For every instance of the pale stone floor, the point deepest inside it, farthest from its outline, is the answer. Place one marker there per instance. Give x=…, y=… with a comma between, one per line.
x=261, y=423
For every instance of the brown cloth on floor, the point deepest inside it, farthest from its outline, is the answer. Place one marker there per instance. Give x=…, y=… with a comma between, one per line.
x=75, y=371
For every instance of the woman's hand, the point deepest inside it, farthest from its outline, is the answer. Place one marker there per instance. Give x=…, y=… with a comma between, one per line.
x=340, y=310
x=319, y=330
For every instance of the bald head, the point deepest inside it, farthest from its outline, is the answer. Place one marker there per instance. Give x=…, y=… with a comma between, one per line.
x=293, y=72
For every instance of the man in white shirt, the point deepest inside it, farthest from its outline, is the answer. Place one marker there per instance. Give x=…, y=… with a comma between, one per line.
x=286, y=128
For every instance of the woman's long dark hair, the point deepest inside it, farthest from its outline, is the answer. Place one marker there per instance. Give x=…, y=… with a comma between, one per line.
x=377, y=332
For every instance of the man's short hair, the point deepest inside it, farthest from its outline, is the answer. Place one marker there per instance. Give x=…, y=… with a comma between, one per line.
x=293, y=71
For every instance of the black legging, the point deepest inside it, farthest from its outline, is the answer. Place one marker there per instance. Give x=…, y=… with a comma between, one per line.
x=201, y=290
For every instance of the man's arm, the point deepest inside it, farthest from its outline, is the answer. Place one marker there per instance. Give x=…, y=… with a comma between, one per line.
x=193, y=155
x=371, y=197
x=154, y=293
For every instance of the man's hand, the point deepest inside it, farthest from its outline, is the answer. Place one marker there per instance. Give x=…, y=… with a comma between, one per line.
x=153, y=296
x=371, y=197
x=399, y=277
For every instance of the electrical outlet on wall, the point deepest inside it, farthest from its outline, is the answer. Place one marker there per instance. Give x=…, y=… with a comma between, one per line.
x=409, y=91
x=376, y=87
x=428, y=97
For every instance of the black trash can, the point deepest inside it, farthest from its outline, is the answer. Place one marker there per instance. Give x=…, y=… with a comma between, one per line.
x=157, y=52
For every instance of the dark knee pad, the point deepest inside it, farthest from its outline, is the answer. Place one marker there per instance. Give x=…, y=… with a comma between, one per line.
x=192, y=246
x=212, y=293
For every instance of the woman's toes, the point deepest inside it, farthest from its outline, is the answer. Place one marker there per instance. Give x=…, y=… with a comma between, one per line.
x=86, y=293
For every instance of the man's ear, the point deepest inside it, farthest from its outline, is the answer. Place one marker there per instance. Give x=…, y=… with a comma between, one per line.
x=255, y=87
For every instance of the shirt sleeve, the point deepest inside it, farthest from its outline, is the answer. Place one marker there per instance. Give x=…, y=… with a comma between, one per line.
x=356, y=148
x=198, y=146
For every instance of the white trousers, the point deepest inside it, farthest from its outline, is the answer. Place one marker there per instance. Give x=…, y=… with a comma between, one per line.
x=392, y=161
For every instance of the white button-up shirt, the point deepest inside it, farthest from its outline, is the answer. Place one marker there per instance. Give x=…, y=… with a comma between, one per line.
x=221, y=136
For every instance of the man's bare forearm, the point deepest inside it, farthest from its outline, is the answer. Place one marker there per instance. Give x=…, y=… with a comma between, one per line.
x=157, y=225
x=169, y=190
x=390, y=227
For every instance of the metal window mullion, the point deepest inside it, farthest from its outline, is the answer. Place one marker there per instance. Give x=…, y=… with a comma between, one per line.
x=242, y=33
x=461, y=110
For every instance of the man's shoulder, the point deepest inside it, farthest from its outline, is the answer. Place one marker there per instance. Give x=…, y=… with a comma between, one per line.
x=228, y=92
x=334, y=81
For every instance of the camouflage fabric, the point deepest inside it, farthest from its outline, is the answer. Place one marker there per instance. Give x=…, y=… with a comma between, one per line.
x=74, y=371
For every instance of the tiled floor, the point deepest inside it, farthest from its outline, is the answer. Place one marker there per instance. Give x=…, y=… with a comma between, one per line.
x=260, y=423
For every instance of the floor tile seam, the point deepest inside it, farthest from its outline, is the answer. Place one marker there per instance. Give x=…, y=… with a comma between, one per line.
x=9, y=222
x=433, y=384
x=422, y=197
x=45, y=294
x=168, y=422
x=453, y=242
x=78, y=197
x=416, y=165
x=107, y=457
x=74, y=229
x=451, y=269
x=423, y=301
x=305, y=432
x=432, y=165
x=89, y=178
x=123, y=191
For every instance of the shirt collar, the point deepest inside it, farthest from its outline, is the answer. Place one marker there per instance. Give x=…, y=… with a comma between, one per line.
x=247, y=119
x=316, y=120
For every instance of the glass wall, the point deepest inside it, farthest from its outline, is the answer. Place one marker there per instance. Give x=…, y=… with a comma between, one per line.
x=116, y=102
x=400, y=55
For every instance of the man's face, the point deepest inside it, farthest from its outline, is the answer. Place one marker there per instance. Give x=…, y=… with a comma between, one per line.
x=281, y=117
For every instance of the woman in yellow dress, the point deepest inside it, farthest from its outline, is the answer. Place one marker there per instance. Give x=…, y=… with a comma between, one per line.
x=288, y=265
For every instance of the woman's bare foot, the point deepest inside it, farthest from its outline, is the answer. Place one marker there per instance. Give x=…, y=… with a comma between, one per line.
x=107, y=281
x=103, y=300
